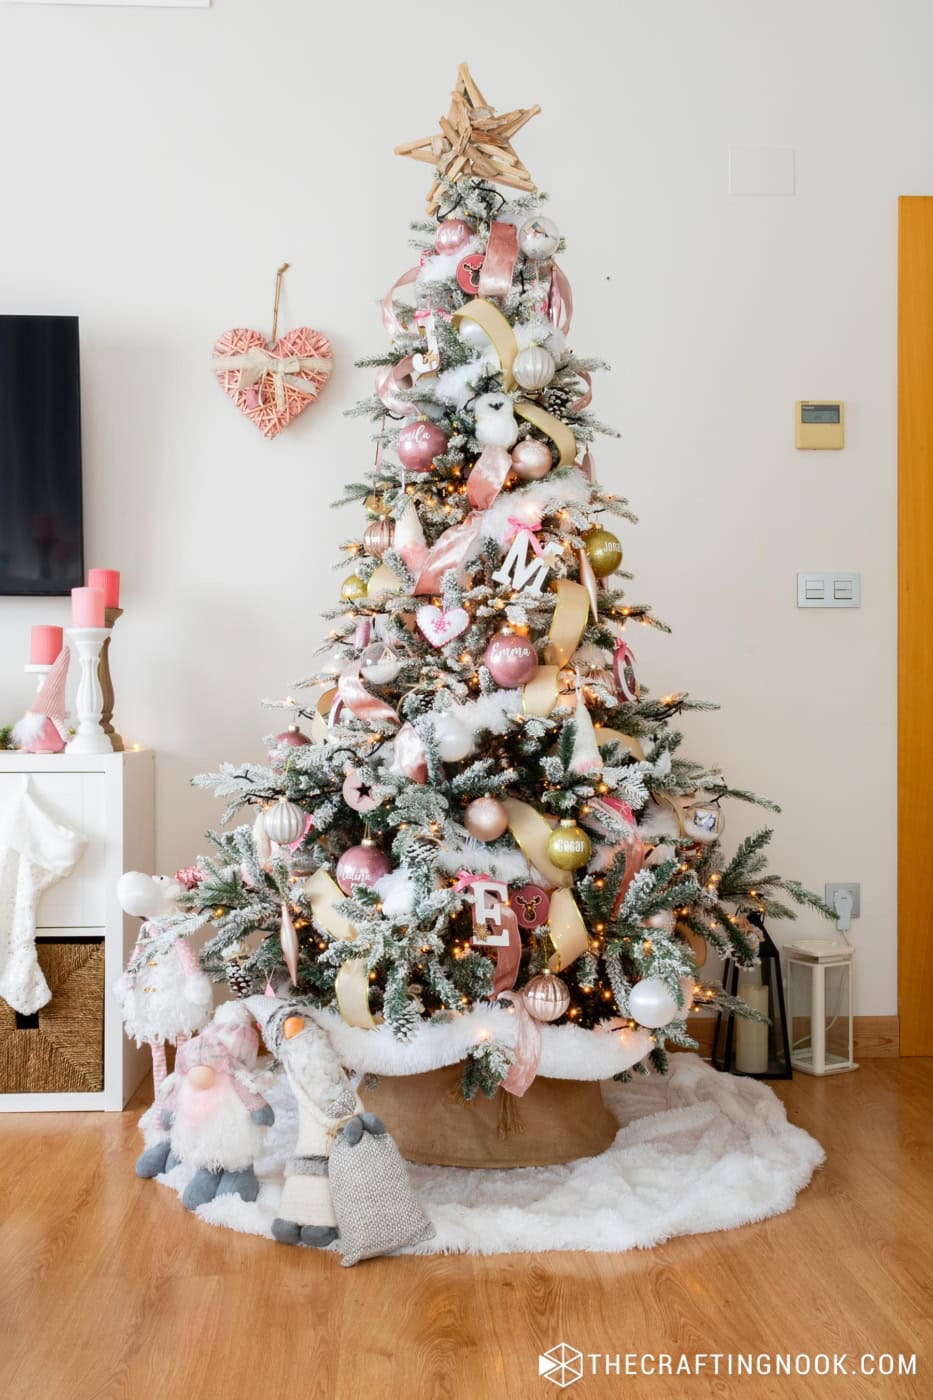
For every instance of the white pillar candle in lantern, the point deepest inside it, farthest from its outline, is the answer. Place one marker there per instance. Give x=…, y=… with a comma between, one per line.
x=819, y=997
x=751, y=1037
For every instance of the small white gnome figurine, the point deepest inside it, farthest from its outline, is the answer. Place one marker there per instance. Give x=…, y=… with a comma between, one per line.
x=326, y=1102
x=163, y=994
x=214, y=1109
x=43, y=728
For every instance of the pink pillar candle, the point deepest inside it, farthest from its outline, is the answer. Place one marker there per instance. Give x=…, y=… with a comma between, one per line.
x=45, y=643
x=108, y=580
x=87, y=607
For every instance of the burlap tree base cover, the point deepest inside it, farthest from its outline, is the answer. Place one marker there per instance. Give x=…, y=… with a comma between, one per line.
x=557, y=1120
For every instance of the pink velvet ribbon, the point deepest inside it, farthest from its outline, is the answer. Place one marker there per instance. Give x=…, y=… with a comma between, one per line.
x=363, y=704
x=390, y=320
x=495, y=278
x=560, y=300
x=508, y=960
x=409, y=754
x=487, y=478
x=623, y=655
x=363, y=634
x=524, y=1066
x=466, y=878
x=392, y=377
x=448, y=552
x=586, y=398
x=631, y=844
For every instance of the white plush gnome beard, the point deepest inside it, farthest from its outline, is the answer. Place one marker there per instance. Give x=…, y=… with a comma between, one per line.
x=35, y=852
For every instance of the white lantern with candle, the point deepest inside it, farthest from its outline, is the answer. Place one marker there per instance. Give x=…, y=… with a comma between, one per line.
x=819, y=995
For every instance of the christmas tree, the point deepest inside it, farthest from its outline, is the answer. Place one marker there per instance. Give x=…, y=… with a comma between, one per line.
x=490, y=823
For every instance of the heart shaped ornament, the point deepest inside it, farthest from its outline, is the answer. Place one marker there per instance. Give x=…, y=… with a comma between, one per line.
x=440, y=627
x=272, y=384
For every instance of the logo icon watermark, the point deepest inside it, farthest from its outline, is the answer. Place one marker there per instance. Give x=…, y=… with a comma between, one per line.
x=562, y=1365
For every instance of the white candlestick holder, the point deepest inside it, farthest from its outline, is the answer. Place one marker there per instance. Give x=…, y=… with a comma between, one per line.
x=38, y=669
x=89, y=701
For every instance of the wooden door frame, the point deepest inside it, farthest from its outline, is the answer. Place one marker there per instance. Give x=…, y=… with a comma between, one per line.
x=915, y=622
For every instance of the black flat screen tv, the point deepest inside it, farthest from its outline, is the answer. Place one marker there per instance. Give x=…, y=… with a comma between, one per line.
x=41, y=525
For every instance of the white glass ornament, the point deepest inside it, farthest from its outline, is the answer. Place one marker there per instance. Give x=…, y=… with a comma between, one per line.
x=454, y=739
x=651, y=1003
x=539, y=238
x=533, y=368
x=496, y=425
x=379, y=664
x=472, y=334
x=284, y=822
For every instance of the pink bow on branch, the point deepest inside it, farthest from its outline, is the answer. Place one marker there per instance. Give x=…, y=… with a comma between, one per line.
x=523, y=527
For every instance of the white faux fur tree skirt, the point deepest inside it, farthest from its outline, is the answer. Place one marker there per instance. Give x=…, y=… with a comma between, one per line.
x=696, y=1151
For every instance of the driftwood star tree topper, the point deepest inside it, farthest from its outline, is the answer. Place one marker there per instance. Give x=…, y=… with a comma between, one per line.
x=473, y=140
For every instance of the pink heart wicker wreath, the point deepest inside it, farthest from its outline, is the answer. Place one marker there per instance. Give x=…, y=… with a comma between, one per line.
x=272, y=384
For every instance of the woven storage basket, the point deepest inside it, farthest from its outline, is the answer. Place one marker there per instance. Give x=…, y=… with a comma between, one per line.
x=64, y=1053
x=557, y=1120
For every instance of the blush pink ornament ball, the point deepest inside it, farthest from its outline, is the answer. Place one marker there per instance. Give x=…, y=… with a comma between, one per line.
x=361, y=865
x=452, y=235
x=486, y=818
x=419, y=443
x=510, y=660
x=531, y=459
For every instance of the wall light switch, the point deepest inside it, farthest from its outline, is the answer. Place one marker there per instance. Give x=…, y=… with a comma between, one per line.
x=839, y=590
x=761, y=170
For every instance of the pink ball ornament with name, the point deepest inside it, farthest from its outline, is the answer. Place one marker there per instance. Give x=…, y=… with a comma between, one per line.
x=419, y=443
x=452, y=235
x=510, y=660
x=361, y=865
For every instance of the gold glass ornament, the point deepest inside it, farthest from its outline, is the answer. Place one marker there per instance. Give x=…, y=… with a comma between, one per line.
x=353, y=588
x=376, y=504
x=546, y=997
x=603, y=550
x=378, y=537
x=568, y=846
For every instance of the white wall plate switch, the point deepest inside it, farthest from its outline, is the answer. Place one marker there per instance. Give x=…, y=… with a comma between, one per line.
x=837, y=590
x=761, y=170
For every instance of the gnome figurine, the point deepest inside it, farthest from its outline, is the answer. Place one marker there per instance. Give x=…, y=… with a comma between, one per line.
x=326, y=1102
x=163, y=994
x=213, y=1107
x=42, y=728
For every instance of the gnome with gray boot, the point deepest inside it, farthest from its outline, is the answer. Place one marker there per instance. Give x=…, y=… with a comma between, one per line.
x=212, y=1105
x=325, y=1102
x=345, y=1179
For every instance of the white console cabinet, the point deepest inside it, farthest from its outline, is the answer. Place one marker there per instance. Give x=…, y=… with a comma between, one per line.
x=109, y=800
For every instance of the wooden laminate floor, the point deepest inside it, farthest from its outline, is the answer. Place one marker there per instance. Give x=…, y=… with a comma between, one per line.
x=108, y=1289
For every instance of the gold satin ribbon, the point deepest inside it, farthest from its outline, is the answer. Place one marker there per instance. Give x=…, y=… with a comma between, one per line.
x=319, y=727
x=531, y=832
x=561, y=436
x=352, y=985
x=606, y=736
x=568, y=622
x=491, y=319
x=383, y=580
x=539, y=696
x=567, y=929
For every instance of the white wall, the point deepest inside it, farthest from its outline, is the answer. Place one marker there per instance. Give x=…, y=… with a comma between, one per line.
x=157, y=165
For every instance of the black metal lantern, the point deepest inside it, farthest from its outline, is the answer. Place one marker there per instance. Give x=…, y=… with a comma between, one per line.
x=741, y=1046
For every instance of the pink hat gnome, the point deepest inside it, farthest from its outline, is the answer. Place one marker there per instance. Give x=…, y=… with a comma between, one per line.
x=43, y=728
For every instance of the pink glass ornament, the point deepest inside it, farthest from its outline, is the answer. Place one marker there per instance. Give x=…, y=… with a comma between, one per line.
x=452, y=235
x=486, y=818
x=361, y=865
x=290, y=738
x=510, y=660
x=531, y=459
x=419, y=443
